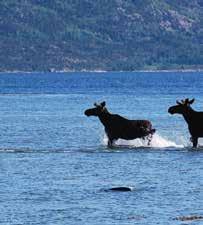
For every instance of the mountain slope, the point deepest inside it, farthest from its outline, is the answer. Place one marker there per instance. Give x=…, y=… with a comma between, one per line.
x=41, y=35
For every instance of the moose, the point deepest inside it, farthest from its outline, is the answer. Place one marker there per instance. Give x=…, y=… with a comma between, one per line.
x=193, y=118
x=117, y=126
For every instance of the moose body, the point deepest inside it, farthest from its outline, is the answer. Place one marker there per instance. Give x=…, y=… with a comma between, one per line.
x=193, y=118
x=117, y=126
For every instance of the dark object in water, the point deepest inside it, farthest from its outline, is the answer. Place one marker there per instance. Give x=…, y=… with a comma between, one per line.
x=193, y=118
x=123, y=189
x=117, y=126
x=189, y=218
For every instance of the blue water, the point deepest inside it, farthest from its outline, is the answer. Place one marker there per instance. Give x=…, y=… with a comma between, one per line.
x=55, y=166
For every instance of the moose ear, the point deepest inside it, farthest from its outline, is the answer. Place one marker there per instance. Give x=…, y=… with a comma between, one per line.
x=178, y=102
x=103, y=104
x=95, y=104
x=191, y=101
x=183, y=102
x=187, y=101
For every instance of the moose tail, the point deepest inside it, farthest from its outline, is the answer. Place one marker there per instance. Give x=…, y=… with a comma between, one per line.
x=152, y=131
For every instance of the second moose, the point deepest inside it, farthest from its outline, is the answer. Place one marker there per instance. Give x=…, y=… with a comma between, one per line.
x=193, y=118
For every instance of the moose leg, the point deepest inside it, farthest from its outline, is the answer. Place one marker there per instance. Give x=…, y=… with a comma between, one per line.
x=149, y=138
x=110, y=143
x=194, y=141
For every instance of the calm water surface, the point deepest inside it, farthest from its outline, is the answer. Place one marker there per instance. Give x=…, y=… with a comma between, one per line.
x=55, y=167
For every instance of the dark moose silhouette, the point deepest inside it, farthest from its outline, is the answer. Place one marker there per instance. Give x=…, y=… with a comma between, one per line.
x=193, y=118
x=117, y=126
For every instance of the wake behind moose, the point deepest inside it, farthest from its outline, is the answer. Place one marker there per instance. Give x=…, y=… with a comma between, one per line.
x=117, y=126
x=193, y=118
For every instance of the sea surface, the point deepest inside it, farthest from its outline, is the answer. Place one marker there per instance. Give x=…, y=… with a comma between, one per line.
x=56, y=169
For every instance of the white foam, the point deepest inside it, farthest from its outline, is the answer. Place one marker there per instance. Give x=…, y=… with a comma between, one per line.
x=157, y=142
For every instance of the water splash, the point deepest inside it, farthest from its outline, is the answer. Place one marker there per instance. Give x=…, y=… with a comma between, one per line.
x=157, y=142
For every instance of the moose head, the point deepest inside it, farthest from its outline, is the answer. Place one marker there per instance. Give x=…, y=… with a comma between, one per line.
x=182, y=107
x=97, y=110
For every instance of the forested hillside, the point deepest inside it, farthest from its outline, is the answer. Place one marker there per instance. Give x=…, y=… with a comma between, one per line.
x=75, y=35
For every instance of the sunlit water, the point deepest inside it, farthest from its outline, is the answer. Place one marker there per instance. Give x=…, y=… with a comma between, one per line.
x=55, y=166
